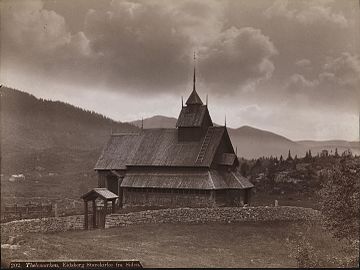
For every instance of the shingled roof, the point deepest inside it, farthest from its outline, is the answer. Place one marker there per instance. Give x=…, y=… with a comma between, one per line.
x=194, y=99
x=210, y=180
x=104, y=193
x=191, y=116
x=156, y=147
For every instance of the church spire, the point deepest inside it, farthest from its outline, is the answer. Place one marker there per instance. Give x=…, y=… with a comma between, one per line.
x=194, y=98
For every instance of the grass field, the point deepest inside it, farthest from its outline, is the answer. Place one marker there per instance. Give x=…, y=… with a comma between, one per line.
x=263, y=244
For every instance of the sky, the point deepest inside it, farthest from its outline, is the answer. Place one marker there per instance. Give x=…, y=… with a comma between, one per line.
x=290, y=67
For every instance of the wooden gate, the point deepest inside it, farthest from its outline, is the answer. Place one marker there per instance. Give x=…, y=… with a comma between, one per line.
x=100, y=217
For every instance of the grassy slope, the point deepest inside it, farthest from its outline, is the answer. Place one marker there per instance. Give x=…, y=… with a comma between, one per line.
x=177, y=245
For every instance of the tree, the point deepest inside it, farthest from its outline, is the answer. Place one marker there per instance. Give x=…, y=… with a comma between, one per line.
x=289, y=156
x=244, y=169
x=281, y=159
x=340, y=202
x=340, y=206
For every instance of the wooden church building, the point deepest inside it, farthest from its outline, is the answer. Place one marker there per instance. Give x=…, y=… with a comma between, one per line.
x=191, y=165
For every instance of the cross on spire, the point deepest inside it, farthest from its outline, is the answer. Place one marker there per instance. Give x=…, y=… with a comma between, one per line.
x=194, y=79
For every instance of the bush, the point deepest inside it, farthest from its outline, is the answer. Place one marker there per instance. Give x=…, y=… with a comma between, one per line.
x=307, y=255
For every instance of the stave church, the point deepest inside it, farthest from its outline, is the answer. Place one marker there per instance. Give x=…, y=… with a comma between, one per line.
x=191, y=165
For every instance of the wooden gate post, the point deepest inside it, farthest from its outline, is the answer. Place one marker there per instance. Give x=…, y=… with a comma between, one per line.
x=113, y=206
x=105, y=207
x=86, y=217
x=56, y=214
x=94, y=213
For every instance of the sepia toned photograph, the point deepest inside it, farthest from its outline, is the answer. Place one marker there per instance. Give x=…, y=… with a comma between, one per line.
x=180, y=133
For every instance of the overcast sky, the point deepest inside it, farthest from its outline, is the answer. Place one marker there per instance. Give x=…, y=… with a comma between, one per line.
x=291, y=67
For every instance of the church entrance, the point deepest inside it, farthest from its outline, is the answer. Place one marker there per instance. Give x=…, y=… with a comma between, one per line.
x=112, y=183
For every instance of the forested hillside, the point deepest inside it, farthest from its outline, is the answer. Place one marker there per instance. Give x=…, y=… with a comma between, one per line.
x=50, y=134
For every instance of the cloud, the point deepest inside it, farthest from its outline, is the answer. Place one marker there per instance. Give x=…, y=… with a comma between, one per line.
x=297, y=83
x=239, y=58
x=307, y=13
x=138, y=50
x=31, y=25
x=344, y=70
x=336, y=85
x=36, y=41
x=303, y=63
x=128, y=46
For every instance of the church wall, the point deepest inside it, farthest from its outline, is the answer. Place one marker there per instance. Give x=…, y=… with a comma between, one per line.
x=102, y=176
x=167, y=197
x=184, y=198
x=229, y=197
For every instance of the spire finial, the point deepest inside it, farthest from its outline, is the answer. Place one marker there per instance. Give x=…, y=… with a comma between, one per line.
x=194, y=80
x=182, y=102
x=206, y=99
x=225, y=120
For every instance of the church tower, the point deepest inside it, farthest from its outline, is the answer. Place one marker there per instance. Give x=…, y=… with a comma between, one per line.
x=194, y=118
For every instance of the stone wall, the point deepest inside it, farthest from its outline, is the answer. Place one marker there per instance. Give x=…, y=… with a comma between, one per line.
x=205, y=215
x=51, y=224
x=176, y=215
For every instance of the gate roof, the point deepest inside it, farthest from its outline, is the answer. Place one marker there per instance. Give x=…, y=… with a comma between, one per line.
x=103, y=193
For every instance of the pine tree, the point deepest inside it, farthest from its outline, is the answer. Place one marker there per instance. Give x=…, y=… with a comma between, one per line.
x=289, y=156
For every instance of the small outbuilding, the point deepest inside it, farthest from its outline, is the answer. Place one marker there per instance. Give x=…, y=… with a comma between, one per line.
x=98, y=217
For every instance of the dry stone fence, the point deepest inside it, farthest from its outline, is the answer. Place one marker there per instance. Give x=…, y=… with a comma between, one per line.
x=207, y=215
x=176, y=215
x=29, y=210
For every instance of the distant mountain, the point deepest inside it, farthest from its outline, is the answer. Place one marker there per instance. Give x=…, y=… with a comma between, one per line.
x=252, y=142
x=157, y=121
x=340, y=145
x=51, y=134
